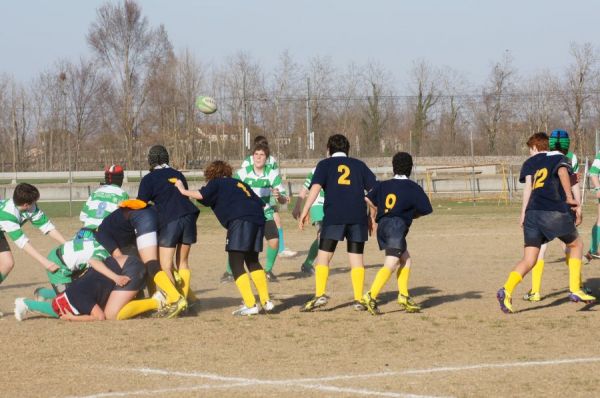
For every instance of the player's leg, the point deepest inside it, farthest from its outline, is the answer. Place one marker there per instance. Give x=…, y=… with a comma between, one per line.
x=308, y=266
x=281, y=249
x=326, y=249
x=357, y=273
x=271, y=235
x=595, y=241
x=576, y=248
x=536, y=277
x=259, y=277
x=7, y=263
x=504, y=295
x=121, y=304
x=23, y=306
x=403, y=275
x=188, y=238
x=242, y=281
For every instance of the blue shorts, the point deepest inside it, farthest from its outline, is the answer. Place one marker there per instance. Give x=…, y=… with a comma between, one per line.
x=179, y=231
x=351, y=232
x=144, y=221
x=134, y=269
x=244, y=236
x=391, y=233
x=542, y=226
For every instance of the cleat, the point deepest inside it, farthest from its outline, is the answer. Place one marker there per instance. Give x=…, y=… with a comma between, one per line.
x=408, y=304
x=593, y=255
x=533, y=297
x=505, y=301
x=307, y=270
x=271, y=277
x=21, y=309
x=588, y=257
x=315, y=302
x=371, y=304
x=586, y=289
x=226, y=278
x=581, y=296
x=174, y=309
x=287, y=253
x=268, y=306
x=246, y=311
x=360, y=305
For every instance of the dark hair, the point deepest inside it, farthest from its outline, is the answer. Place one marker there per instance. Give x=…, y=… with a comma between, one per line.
x=217, y=169
x=25, y=194
x=262, y=147
x=338, y=143
x=402, y=163
x=157, y=155
x=261, y=139
x=539, y=140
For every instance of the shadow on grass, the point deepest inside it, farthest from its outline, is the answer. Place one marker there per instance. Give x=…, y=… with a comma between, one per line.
x=564, y=299
x=20, y=285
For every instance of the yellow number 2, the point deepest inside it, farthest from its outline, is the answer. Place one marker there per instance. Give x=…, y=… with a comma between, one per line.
x=345, y=170
x=243, y=187
x=390, y=202
x=539, y=178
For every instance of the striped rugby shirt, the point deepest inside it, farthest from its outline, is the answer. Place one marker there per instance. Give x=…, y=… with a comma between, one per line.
x=262, y=185
x=100, y=204
x=316, y=210
x=11, y=220
x=271, y=163
x=595, y=169
x=574, y=161
x=77, y=253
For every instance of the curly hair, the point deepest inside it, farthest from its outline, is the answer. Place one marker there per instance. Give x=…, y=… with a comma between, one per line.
x=402, y=163
x=217, y=169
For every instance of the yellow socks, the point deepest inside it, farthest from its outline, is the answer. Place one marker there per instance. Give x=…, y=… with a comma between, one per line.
x=536, y=276
x=321, y=275
x=243, y=284
x=358, y=280
x=383, y=275
x=136, y=307
x=514, y=278
x=259, y=277
x=164, y=283
x=186, y=276
x=403, y=274
x=574, y=274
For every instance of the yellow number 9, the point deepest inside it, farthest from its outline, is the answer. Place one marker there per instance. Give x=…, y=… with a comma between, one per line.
x=345, y=170
x=390, y=202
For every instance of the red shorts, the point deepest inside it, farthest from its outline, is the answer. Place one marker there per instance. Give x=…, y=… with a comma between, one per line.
x=62, y=306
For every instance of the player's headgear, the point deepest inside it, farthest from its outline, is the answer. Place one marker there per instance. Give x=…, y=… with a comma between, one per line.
x=559, y=141
x=158, y=155
x=114, y=175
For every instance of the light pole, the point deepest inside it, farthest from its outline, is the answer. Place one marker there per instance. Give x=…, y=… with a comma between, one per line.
x=63, y=78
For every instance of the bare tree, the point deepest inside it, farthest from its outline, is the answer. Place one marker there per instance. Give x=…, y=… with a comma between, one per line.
x=131, y=51
x=426, y=92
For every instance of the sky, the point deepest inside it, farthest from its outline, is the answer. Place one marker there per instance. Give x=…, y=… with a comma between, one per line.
x=468, y=36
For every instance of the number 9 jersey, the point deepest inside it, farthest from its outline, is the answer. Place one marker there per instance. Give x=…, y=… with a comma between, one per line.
x=547, y=193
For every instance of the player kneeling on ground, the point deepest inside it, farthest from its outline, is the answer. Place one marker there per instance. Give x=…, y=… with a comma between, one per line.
x=394, y=204
x=548, y=216
x=92, y=297
x=239, y=210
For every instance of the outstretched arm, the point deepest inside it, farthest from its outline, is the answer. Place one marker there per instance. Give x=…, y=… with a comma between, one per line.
x=187, y=192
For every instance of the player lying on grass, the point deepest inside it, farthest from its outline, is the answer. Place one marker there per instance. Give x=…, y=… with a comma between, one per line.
x=176, y=217
x=240, y=211
x=132, y=229
x=92, y=297
x=316, y=218
x=548, y=216
x=526, y=178
x=394, y=204
x=344, y=180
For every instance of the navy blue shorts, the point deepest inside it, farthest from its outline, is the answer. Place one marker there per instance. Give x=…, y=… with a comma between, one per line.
x=134, y=269
x=542, y=226
x=351, y=232
x=391, y=233
x=144, y=221
x=244, y=236
x=179, y=231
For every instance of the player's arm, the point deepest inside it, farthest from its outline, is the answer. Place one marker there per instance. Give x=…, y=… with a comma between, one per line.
x=372, y=216
x=57, y=236
x=186, y=192
x=527, y=188
x=95, y=315
x=41, y=222
x=313, y=193
x=565, y=182
x=298, y=207
x=49, y=265
x=278, y=190
x=119, y=280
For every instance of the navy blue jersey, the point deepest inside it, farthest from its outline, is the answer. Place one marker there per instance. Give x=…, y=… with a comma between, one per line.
x=400, y=197
x=547, y=193
x=232, y=199
x=344, y=181
x=91, y=289
x=168, y=201
x=121, y=228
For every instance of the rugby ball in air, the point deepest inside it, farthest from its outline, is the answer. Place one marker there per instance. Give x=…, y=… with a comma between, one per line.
x=206, y=105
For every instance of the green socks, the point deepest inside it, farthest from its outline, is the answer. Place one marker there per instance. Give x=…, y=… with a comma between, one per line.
x=271, y=256
x=45, y=293
x=312, y=254
x=594, y=241
x=229, y=268
x=43, y=307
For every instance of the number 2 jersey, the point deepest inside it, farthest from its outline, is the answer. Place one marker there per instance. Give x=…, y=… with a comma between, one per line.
x=400, y=197
x=344, y=181
x=547, y=193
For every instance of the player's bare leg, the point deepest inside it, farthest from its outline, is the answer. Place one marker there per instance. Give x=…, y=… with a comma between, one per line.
x=184, y=271
x=7, y=263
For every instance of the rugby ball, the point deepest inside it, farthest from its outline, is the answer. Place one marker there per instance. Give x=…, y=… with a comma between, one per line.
x=206, y=105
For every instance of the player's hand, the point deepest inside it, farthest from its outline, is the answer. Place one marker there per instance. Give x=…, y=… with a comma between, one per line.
x=597, y=194
x=275, y=193
x=67, y=316
x=121, y=280
x=51, y=267
x=572, y=202
x=303, y=220
x=522, y=220
x=578, y=216
x=296, y=212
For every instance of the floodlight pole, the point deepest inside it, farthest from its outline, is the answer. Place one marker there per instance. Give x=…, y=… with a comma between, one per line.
x=472, y=166
x=63, y=77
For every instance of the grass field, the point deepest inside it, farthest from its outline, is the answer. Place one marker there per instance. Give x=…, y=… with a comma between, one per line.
x=459, y=345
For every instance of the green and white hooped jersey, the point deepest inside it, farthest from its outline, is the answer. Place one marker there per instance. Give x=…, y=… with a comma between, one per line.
x=11, y=220
x=77, y=253
x=574, y=161
x=262, y=185
x=595, y=169
x=270, y=164
x=100, y=204
x=316, y=210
